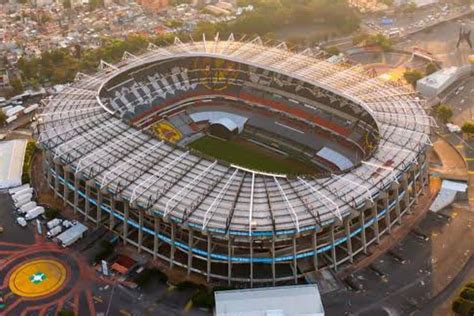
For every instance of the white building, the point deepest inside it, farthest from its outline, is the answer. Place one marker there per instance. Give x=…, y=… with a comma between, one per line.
x=419, y=3
x=434, y=84
x=298, y=300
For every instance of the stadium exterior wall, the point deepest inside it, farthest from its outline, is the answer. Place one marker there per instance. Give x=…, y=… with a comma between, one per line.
x=242, y=259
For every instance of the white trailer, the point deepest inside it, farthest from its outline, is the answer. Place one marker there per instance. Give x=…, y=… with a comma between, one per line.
x=15, y=110
x=25, y=190
x=22, y=203
x=22, y=199
x=54, y=231
x=31, y=108
x=71, y=235
x=18, y=189
x=54, y=222
x=34, y=213
x=27, y=207
x=11, y=119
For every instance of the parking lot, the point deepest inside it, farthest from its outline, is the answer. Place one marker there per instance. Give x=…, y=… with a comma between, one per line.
x=408, y=279
x=39, y=277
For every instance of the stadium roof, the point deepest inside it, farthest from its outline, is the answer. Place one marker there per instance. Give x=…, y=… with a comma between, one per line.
x=84, y=133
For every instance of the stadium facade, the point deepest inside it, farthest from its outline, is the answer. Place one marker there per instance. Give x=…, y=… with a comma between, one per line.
x=226, y=222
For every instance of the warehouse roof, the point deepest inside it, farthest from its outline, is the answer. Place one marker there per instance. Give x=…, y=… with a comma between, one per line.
x=275, y=301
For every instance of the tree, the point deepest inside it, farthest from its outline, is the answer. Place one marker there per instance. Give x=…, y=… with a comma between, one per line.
x=412, y=76
x=360, y=38
x=380, y=40
x=388, y=3
x=431, y=68
x=332, y=50
x=67, y=4
x=3, y=118
x=444, y=113
x=468, y=128
x=410, y=7
x=17, y=86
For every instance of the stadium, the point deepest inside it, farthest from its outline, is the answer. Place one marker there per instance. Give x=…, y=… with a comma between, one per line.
x=242, y=162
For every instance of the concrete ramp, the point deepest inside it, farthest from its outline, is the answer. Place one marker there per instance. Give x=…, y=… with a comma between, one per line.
x=448, y=194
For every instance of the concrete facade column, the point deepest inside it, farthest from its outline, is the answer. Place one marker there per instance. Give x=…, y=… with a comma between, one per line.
x=190, y=250
x=140, y=230
x=98, y=216
x=229, y=261
x=156, y=226
x=376, y=222
x=387, y=213
x=273, y=261
x=65, y=186
x=415, y=187
x=173, y=246
x=88, y=203
x=125, y=222
x=48, y=163
x=333, y=248
x=347, y=229
x=56, y=178
x=363, y=232
x=315, y=247
x=251, y=261
x=396, y=189
x=209, y=249
x=76, y=192
x=112, y=213
x=295, y=263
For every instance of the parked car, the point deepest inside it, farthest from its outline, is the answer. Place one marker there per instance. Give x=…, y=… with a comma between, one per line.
x=21, y=221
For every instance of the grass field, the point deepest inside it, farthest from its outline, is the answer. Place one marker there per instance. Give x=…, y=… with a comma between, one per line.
x=249, y=155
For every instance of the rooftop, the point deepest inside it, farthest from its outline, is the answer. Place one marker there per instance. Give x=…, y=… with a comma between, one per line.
x=273, y=301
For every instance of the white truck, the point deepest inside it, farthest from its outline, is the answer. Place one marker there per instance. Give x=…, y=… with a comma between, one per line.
x=34, y=213
x=18, y=189
x=22, y=199
x=21, y=221
x=24, y=191
x=54, y=222
x=26, y=207
x=71, y=235
x=54, y=231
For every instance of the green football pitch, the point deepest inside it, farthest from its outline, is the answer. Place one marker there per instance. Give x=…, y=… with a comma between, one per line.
x=248, y=155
